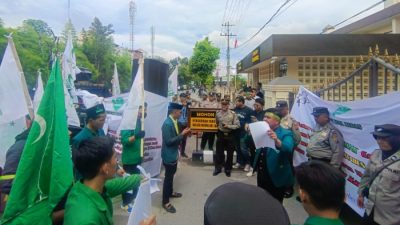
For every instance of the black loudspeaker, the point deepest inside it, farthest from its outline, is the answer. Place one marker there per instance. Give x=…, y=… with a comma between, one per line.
x=155, y=76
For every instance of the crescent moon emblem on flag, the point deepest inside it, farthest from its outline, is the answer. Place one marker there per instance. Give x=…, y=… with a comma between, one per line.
x=42, y=124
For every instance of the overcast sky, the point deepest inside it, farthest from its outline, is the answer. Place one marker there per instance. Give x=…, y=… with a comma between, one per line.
x=180, y=23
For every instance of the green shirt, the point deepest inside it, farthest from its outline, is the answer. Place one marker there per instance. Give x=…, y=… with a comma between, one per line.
x=85, y=206
x=85, y=134
x=131, y=150
x=316, y=220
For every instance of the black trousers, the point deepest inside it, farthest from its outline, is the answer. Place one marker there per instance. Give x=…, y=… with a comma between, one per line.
x=264, y=180
x=369, y=220
x=225, y=142
x=207, y=137
x=170, y=170
x=127, y=198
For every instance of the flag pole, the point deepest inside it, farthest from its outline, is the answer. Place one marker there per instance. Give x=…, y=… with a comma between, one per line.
x=141, y=61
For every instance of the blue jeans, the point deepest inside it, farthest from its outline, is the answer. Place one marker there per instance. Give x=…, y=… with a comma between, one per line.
x=127, y=198
x=245, y=150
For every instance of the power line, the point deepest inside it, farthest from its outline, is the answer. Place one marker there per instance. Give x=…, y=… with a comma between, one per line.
x=269, y=20
x=357, y=14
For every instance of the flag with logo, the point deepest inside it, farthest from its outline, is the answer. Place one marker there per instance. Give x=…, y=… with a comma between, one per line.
x=115, y=82
x=38, y=92
x=135, y=99
x=69, y=71
x=173, y=84
x=45, y=170
x=13, y=105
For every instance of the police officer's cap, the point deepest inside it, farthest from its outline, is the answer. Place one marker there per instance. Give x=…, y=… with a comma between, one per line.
x=225, y=102
x=319, y=111
x=386, y=130
x=238, y=204
x=218, y=94
x=182, y=95
x=211, y=94
x=281, y=104
x=173, y=105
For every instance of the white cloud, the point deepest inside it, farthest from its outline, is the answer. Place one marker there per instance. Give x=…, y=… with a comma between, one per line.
x=179, y=24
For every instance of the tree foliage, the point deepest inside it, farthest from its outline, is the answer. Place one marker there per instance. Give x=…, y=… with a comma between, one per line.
x=203, y=61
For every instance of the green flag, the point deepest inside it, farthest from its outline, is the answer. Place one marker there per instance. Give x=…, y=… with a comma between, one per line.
x=45, y=170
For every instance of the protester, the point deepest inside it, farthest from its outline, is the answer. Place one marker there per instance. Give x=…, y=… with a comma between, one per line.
x=243, y=204
x=274, y=172
x=326, y=142
x=171, y=139
x=380, y=184
x=227, y=122
x=322, y=192
x=89, y=201
x=95, y=118
x=249, y=101
x=131, y=155
x=260, y=91
x=242, y=151
x=183, y=121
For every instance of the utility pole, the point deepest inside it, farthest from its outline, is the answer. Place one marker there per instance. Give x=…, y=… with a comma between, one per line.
x=132, y=14
x=228, y=35
x=152, y=38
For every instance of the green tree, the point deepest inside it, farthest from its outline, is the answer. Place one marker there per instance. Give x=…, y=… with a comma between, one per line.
x=203, y=62
x=124, y=71
x=99, y=48
x=69, y=27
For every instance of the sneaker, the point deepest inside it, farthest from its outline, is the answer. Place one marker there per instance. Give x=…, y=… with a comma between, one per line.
x=250, y=173
x=247, y=168
x=236, y=166
x=127, y=208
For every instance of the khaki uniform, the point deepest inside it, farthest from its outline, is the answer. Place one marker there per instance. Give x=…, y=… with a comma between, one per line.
x=225, y=139
x=326, y=144
x=209, y=104
x=287, y=123
x=384, y=193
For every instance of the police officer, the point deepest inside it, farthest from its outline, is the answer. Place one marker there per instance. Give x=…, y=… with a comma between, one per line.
x=326, y=142
x=380, y=183
x=227, y=121
x=288, y=122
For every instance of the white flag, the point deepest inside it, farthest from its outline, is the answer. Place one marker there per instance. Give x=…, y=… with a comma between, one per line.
x=115, y=82
x=173, y=84
x=38, y=93
x=13, y=105
x=69, y=71
x=135, y=99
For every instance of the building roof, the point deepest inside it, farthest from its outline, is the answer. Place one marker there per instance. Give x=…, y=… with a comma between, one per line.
x=318, y=45
x=285, y=80
x=383, y=16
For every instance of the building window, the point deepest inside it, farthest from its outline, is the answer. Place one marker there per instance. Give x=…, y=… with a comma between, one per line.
x=301, y=59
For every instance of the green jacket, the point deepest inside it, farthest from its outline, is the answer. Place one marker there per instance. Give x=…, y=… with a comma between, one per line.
x=278, y=161
x=315, y=220
x=85, y=206
x=131, y=150
x=85, y=134
x=170, y=141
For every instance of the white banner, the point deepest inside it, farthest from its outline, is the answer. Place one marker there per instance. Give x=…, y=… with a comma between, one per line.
x=38, y=92
x=156, y=113
x=356, y=121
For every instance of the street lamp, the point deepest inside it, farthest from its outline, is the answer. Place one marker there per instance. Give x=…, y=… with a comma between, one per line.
x=283, y=66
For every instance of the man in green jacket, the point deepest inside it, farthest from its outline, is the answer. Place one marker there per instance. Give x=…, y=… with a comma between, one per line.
x=273, y=165
x=131, y=149
x=322, y=192
x=95, y=119
x=171, y=139
x=89, y=201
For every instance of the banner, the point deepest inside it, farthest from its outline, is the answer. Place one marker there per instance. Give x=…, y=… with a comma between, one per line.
x=156, y=113
x=356, y=121
x=173, y=84
x=116, y=90
x=38, y=92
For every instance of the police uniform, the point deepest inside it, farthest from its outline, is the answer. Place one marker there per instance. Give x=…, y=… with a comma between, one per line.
x=225, y=139
x=288, y=121
x=383, y=195
x=326, y=142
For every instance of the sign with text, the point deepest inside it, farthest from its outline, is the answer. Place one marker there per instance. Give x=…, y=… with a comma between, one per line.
x=255, y=56
x=204, y=120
